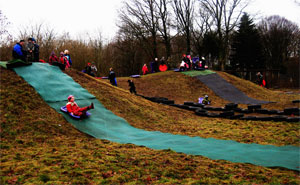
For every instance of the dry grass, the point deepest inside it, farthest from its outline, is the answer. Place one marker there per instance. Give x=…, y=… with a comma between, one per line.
x=38, y=145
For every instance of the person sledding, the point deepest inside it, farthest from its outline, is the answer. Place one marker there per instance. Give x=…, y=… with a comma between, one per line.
x=205, y=100
x=74, y=109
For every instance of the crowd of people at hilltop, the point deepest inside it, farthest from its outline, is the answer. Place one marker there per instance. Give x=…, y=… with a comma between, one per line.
x=29, y=52
x=188, y=63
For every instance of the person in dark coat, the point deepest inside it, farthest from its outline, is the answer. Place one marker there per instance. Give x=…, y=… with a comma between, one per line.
x=187, y=61
x=112, y=77
x=30, y=50
x=88, y=69
x=18, y=52
x=132, y=86
x=162, y=61
x=203, y=62
x=36, y=50
x=154, y=66
x=94, y=69
x=260, y=79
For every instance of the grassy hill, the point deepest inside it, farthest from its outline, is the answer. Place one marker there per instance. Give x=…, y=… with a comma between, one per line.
x=39, y=146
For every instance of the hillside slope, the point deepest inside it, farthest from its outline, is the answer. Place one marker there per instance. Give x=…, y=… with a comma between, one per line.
x=181, y=88
x=38, y=145
x=147, y=115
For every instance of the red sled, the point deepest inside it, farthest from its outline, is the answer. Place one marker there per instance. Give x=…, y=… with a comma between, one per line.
x=163, y=67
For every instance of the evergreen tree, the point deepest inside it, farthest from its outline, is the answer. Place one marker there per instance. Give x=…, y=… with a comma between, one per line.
x=247, y=46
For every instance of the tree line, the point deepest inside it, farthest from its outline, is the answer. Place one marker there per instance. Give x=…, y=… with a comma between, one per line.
x=219, y=30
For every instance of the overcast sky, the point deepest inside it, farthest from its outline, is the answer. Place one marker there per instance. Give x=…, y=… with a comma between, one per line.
x=81, y=16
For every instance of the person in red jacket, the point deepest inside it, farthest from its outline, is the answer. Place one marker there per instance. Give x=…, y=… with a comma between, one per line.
x=53, y=58
x=74, y=109
x=63, y=60
x=145, y=69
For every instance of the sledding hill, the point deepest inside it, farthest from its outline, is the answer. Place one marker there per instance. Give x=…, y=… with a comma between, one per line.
x=181, y=88
x=38, y=145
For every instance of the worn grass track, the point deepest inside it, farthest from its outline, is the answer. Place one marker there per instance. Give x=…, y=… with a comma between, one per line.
x=38, y=145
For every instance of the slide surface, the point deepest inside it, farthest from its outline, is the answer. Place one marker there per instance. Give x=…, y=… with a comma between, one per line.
x=223, y=88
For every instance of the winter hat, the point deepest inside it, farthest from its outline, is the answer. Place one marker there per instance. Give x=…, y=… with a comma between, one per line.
x=70, y=97
x=33, y=39
x=206, y=96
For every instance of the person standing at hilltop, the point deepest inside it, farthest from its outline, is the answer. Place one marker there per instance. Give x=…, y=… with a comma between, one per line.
x=36, y=51
x=18, y=52
x=112, y=77
x=145, y=69
x=94, y=69
x=68, y=56
x=53, y=58
x=63, y=60
x=30, y=50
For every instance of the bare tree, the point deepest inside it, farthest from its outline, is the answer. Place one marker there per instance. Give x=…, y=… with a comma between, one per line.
x=139, y=17
x=226, y=14
x=96, y=45
x=127, y=55
x=184, y=11
x=202, y=25
x=280, y=39
x=47, y=42
x=5, y=36
x=164, y=24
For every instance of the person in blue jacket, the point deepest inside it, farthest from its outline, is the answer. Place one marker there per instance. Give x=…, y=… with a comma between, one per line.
x=18, y=52
x=67, y=54
x=112, y=77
